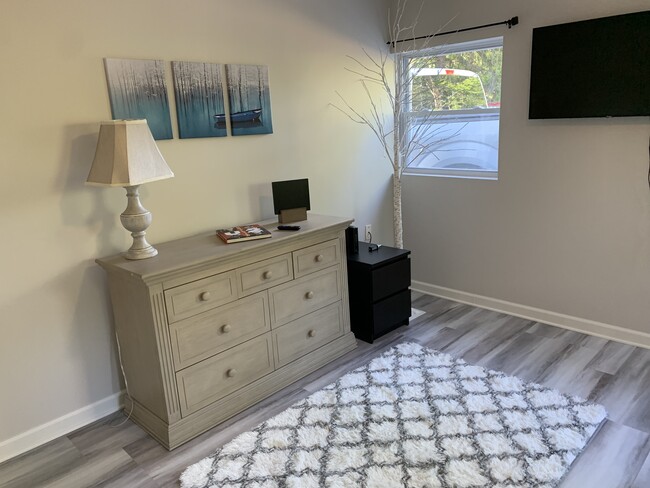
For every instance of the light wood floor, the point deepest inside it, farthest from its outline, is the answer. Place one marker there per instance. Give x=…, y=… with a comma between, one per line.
x=114, y=453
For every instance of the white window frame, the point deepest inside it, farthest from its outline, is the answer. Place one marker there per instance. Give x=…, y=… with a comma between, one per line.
x=452, y=115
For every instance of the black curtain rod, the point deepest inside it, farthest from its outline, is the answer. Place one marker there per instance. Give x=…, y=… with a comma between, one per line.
x=509, y=23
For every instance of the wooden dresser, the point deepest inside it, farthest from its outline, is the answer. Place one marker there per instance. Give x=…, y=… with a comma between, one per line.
x=207, y=329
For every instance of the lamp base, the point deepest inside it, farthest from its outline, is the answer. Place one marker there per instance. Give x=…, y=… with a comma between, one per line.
x=136, y=252
x=136, y=219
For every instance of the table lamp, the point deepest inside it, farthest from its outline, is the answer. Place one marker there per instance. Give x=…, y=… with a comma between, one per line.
x=127, y=156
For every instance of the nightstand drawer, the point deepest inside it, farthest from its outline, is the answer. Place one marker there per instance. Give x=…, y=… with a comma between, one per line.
x=304, y=295
x=392, y=310
x=264, y=274
x=301, y=336
x=316, y=257
x=198, y=296
x=216, y=330
x=214, y=378
x=391, y=279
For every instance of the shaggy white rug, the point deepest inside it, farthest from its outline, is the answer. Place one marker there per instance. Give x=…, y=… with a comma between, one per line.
x=412, y=417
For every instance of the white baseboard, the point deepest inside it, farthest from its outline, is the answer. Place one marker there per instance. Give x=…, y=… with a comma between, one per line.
x=591, y=327
x=56, y=428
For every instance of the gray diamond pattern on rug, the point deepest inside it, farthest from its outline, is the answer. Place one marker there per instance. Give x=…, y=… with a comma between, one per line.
x=412, y=417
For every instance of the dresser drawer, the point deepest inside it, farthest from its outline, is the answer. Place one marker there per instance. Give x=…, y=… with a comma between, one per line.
x=220, y=375
x=316, y=257
x=304, y=295
x=301, y=336
x=264, y=274
x=218, y=329
x=201, y=295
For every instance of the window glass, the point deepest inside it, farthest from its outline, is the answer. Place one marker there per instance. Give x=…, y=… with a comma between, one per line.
x=453, y=108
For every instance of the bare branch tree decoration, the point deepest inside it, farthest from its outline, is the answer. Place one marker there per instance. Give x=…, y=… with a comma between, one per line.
x=403, y=139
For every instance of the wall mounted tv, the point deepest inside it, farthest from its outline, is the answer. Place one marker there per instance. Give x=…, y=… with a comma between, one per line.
x=592, y=68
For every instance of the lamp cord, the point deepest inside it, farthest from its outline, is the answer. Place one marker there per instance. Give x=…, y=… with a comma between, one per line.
x=126, y=383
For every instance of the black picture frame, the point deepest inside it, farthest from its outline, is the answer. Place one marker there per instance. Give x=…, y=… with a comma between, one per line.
x=290, y=194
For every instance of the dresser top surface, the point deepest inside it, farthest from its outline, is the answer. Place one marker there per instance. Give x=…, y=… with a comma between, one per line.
x=207, y=247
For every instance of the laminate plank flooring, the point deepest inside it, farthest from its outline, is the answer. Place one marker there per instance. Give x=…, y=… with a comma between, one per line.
x=115, y=453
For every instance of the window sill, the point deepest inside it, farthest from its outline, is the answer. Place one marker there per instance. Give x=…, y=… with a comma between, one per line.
x=462, y=174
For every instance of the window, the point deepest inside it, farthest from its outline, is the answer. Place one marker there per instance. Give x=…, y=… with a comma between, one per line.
x=451, y=117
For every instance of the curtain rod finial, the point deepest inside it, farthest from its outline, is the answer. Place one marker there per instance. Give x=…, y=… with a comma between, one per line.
x=513, y=21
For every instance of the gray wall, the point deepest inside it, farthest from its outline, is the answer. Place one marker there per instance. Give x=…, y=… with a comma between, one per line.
x=58, y=364
x=565, y=231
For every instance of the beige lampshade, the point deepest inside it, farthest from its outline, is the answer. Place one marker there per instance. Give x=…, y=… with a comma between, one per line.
x=127, y=155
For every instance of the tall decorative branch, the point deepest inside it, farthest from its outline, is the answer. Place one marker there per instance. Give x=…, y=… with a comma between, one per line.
x=403, y=138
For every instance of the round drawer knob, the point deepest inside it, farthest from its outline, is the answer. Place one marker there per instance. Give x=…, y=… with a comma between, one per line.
x=231, y=372
x=226, y=328
x=318, y=258
x=311, y=333
x=309, y=295
x=205, y=296
x=267, y=275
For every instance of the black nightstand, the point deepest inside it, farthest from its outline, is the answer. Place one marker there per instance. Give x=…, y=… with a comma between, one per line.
x=380, y=297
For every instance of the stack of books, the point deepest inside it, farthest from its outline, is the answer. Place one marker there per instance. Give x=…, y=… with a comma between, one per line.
x=243, y=233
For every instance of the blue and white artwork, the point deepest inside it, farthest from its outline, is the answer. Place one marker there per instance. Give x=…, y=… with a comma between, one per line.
x=250, y=99
x=199, y=99
x=137, y=90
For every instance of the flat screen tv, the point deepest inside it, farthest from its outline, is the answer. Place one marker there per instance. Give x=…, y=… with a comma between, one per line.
x=591, y=68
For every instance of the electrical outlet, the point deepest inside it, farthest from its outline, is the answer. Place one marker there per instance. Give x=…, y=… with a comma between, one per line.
x=368, y=233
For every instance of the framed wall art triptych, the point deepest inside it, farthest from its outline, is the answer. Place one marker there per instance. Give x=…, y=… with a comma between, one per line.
x=138, y=90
